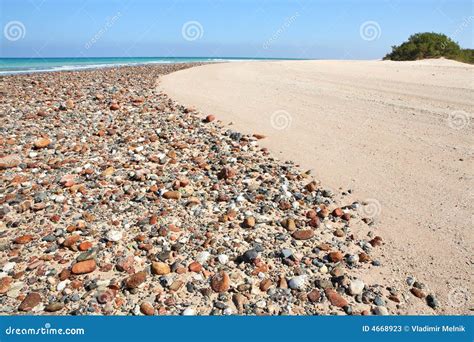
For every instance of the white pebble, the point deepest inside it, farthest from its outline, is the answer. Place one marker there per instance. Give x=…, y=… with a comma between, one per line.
x=189, y=312
x=114, y=235
x=223, y=259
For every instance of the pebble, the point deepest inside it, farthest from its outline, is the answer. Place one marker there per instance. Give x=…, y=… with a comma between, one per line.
x=335, y=298
x=83, y=267
x=135, y=280
x=160, y=268
x=147, y=309
x=303, y=234
x=189, y=312
x=31, y=300
x=297, y=282
x=114, y=235
x=356, y=287
x=220, y=282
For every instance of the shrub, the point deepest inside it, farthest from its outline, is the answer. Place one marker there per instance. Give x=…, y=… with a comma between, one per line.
x=429, y=45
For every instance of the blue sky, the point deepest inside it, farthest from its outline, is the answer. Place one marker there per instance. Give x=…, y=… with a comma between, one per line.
x=261, y=28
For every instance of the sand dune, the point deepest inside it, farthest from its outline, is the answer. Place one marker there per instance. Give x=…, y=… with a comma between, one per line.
x=399, y=134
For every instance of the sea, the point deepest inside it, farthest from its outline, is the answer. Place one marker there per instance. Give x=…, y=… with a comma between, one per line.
x=10, y=66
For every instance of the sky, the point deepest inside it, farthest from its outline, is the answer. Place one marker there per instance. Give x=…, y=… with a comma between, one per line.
x=218, y=28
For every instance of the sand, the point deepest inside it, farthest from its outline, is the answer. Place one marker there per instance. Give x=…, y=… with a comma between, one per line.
x=400, y=135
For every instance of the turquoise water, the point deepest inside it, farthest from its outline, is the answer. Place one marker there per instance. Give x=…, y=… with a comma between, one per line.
x=28, y=65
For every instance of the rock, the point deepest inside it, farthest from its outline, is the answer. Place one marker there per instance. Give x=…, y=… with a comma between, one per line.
x=303, y=234
x=195, y=267
x=147, y=309
x=203, y=256
x=83, y=267
x=417, y=292
x=209, y=118
x=42, y=143
x=249, y=222
x=9, y=161
x=31, y=300
x=114, y=106
x=356, y=287
x=289, y=224
x=114, y=235
x=432, y=301
x=337, y=212
x=5, y=283
x=297, y=283
x=335, y=298
x=250, y=255
x=381, y=311
x=239, y=301
x=227, y=173
x=220, y=282
x=223, y=259
x=336, y=256
x=175, y=195
x=188, y=312
x=160, y=268
x=24, y=239
x=135, y=280
x=314, y=296
x=265, y=284
x=84, y=246
x=106, y=296
x=54, y=306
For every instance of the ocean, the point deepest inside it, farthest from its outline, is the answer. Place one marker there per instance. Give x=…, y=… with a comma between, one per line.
x=28, y=65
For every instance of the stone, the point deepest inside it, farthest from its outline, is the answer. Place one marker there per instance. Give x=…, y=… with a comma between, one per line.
x=356, y=287
x=250, y=255
x=9, y=161
x=175, y=195
x=227, y=173
x=335, y=298
x=303, y=234
x=265, y=284
x=209, y=118
x=114, y=106
x=195, y=267
x=297, y=283
x=381, y=311
x=249, y=222
x=289, y=224
x=314, y=296
x=42, y=143
x=160, y=268
x=24, y=239
x=417, y=292
x=114, y=235
x=84, y=246
x=147, y=309
x=432, y=301
x=188, y=312
x=31, y=300
x=84, y=267
x=336, y=256
x=337, y=212
x=54, y=306
x=5, y=283
x=220, y=282
x=135, y=280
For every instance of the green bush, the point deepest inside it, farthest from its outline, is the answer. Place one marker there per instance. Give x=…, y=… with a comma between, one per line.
x=429, y=45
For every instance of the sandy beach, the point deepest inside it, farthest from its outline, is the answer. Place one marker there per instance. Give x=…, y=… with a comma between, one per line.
x=126, y=190
x=399, y=135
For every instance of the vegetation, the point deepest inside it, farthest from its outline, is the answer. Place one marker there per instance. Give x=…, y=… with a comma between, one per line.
x=430, y=45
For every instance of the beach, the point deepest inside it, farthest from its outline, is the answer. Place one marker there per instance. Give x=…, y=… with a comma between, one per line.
x=249, y=188
x=398, y=134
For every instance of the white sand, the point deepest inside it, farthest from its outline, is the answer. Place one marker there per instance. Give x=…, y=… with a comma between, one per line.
x=379, y=128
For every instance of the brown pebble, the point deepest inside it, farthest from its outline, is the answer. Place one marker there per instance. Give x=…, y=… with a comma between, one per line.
x=31, y=300
x=303, y=234
x=82, y=267
x=220, y=282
